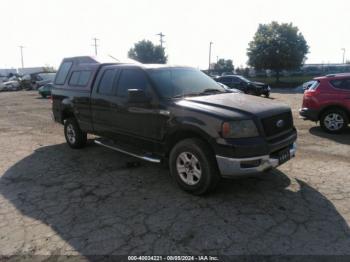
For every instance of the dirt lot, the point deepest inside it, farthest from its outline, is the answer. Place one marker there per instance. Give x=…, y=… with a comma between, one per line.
x=55, y=200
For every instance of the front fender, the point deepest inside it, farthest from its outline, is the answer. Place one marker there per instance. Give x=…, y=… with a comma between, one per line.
x=186, y=127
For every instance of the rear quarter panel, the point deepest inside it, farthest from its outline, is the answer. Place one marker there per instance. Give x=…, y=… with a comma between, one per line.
x=72, y=102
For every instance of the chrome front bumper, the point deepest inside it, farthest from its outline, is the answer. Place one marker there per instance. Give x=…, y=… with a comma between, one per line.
x=232, y=167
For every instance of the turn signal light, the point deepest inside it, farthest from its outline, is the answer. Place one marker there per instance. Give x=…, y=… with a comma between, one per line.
x=225, y=129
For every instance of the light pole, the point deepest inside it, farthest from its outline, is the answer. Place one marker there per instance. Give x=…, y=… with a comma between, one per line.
x=21, y=47
x=343, y=49
x=210, y=44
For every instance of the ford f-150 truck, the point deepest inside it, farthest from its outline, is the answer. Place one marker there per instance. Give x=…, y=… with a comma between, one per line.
x=172, y=114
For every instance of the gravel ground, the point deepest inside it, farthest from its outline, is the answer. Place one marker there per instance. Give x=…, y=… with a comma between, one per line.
x=55, y=200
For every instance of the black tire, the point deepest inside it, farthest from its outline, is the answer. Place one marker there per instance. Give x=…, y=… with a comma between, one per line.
x=267, y=95
x=74, y=136
x=207, y=165
x=44, y=96
x=334, y=114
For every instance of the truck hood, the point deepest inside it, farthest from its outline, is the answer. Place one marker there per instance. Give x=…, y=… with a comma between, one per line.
x=235, y=105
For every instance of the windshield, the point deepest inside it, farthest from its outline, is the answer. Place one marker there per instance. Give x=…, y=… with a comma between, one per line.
x=176, y=82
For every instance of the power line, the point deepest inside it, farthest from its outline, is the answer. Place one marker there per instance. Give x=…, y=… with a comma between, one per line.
x=95, y=44
x=22, y=61
x=161, y=35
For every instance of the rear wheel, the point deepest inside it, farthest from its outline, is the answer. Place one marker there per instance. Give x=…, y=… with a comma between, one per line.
x=193, y=166
x=74, y=136
x=334, y=121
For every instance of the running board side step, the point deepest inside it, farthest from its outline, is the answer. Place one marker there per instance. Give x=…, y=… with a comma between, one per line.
x=101, y=142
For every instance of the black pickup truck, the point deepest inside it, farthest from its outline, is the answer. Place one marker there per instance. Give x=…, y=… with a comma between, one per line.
x=176, y=115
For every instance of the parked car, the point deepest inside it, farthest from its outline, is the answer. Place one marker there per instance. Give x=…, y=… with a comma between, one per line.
x=11, y=85
x=245, y=85
x=45, y=90
x=232, y=90
x=328, y=100
x=174, y=115
x=44, y=78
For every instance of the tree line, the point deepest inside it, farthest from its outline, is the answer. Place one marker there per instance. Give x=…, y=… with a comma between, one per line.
x=274, y=46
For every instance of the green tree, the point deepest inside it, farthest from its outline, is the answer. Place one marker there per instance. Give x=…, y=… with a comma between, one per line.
x=147, y=53
x=223, y=66
x=277, y=47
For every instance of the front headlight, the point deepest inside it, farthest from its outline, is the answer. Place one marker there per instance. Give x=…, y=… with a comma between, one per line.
x=239, y=129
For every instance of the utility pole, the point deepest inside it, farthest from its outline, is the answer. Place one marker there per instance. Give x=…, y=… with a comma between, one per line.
x=95, y=44
x=161, y=35
x=210, y=44
x=343, y=49
x=21, y=48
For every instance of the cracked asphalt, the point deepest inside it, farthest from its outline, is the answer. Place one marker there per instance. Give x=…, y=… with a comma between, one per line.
x=55, y=200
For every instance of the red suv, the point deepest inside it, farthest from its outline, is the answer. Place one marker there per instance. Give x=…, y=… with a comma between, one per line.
x=327, y=100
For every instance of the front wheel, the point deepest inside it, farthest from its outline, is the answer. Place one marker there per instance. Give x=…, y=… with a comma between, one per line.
x=193, y=166
x=334, y=121
x=74, y=136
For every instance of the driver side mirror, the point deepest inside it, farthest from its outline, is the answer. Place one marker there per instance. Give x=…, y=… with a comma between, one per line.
x=137, y=96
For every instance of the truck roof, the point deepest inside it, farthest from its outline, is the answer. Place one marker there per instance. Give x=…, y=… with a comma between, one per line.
x=89, y=60
x=102, y=60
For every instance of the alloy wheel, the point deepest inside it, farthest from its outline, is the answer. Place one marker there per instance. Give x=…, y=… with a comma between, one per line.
x=333, y=121
x=71, y=134
x=189, y=168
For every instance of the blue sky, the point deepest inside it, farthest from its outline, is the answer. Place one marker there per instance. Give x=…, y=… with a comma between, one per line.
x=53, y=29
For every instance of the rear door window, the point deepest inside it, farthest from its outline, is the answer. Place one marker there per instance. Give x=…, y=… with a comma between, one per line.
x=62, y=73
x=341, y=84
x=225, y=80
x=105, y=86
x=236, y=80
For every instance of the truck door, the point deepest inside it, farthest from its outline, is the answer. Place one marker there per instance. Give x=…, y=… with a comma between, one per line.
x=104, y=103
x=137, y=120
